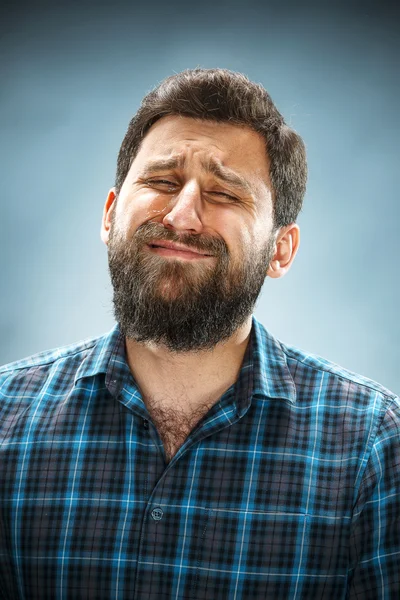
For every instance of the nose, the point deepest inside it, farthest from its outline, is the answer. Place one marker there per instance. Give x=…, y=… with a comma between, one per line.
x=184, y=210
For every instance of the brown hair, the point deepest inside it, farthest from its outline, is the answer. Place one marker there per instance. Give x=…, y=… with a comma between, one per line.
x=227, y=96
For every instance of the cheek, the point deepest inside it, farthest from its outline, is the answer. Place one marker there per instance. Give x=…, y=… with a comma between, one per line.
x=237, y=237
x=156, y=205
x=246, y=245
x=135, y=210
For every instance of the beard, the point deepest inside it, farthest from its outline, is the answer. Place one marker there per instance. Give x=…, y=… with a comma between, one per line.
x=186, y=306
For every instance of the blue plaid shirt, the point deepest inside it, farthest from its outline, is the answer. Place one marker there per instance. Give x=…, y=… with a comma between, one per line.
x=287, y=488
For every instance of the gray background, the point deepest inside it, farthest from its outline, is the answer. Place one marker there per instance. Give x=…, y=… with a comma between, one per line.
x=73, y=75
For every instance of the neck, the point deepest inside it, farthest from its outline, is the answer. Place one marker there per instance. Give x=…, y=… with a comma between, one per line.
x=195, y=375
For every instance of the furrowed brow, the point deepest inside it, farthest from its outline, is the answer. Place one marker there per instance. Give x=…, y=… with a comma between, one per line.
x=211, y=166
x=228, y=177
x=162, y=164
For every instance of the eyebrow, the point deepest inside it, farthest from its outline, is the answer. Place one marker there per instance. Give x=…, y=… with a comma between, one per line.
x=211, y=166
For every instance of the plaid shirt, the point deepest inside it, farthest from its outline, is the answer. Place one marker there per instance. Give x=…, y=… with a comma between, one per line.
x=287, y=488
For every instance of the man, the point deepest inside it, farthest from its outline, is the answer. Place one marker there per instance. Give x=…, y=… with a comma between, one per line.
x=188, y=453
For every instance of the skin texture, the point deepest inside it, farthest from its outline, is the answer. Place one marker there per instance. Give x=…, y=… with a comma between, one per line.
x=216, y=199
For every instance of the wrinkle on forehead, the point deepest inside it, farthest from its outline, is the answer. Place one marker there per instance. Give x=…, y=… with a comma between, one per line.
x=236, y=151
x=210, y=164
x=228, y=138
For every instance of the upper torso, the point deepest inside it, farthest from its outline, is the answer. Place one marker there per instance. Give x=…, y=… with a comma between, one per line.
x=257, y=502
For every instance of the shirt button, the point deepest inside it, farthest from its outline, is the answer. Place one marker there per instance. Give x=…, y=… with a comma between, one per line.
x=145, y=424
x=157, y=514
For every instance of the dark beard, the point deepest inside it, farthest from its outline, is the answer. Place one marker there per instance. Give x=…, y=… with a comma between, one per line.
x=185, y=306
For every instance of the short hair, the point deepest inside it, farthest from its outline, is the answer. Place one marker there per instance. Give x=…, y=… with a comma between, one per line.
x=226, y=96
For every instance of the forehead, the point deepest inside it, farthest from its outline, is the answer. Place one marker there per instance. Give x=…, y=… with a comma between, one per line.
x=237, y=147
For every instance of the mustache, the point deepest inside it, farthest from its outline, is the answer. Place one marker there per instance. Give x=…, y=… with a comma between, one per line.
x=150, y=231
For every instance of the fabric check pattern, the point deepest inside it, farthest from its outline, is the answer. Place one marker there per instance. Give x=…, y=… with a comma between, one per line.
x=287, y=488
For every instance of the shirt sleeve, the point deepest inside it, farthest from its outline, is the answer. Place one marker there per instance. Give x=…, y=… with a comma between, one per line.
x=375, y=534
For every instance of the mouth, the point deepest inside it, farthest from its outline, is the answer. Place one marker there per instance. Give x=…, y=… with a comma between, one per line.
x=176, y=251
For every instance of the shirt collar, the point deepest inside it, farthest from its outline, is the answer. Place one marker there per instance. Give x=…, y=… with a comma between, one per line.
x=102, y=355
x=272, y=377
x=266, y=358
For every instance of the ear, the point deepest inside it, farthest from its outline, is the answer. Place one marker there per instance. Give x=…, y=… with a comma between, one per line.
x=109, y=207
x=286, y=246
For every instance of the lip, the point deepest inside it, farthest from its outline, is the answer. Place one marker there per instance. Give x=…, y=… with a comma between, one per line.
x=175, y=248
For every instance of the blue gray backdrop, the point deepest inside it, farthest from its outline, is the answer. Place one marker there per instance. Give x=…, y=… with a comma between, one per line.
x=72, y=76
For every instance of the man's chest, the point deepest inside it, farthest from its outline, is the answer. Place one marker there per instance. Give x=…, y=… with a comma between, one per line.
x=238, y=511
x=175, y=421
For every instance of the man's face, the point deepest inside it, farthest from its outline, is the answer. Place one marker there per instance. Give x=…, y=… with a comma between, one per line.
x=204, y=186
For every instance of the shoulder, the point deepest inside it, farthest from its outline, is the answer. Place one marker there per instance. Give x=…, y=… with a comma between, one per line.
x=47, y=357
x=356, y=403
x=51, y=372
x=313, y=377
x=356, y=414
x=343, y=401
x=312, y=365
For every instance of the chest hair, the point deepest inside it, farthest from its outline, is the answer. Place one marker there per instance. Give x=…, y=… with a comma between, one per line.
x=175, y=422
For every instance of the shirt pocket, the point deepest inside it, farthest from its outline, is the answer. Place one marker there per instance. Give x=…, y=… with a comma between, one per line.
x=249, y=554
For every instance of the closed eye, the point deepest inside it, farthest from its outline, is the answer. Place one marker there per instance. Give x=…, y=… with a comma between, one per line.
x=225, y=195
x=172, y=184
x=162, y=181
